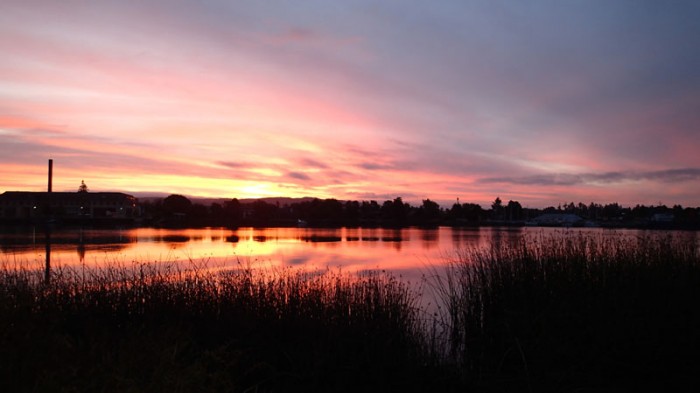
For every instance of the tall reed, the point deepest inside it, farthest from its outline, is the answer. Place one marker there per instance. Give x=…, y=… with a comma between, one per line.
x=575, y=311
x=567, y=312
x=156, y=328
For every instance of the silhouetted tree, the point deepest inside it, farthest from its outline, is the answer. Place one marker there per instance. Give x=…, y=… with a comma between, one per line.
x=497, y=209
x=429, y=211
x=550, y=210
x=176, y=204
x=216, y=213
x=198, y=214
x=83, y=187
x=473, y=212
x=514, y=211
x=594, y=211
x=641, y=212
x=328, y=210
x=263, y=212
x=612, y=211
x=455, y=212
x=232, y=212
x=570, y=208
x=582, y=210
x=370, y=210
x=395, y=210
x=352, y=211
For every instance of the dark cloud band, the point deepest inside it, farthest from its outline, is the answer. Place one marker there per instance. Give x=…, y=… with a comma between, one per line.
x=568, y=179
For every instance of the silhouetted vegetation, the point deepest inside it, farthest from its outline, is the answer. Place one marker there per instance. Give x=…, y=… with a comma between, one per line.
x=573, y=312
x=87, y=208
x=179, y=211
x=147, y=329
x=577, y=313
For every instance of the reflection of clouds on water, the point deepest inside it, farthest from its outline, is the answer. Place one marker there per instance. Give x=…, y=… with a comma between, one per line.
x=352, y=249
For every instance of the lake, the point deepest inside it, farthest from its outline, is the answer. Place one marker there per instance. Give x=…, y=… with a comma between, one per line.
x=407, y=252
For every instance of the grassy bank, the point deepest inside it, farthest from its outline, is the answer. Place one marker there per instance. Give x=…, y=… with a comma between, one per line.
x=577, y=313
x=144, y=329
x=562, y=314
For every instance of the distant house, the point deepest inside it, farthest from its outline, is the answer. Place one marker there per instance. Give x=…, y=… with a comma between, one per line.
x=662, y=217
x=26, y=205
x=557, y=220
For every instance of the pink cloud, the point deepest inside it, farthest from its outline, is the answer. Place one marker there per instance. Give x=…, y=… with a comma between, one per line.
x=248, y=99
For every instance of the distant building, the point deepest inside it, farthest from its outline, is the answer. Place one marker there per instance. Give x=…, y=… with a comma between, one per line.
x=26, y=205
x=662, y=217
x=557, y=219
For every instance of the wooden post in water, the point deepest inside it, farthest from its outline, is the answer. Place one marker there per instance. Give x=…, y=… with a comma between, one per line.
x=47, y=271
x=50, y=175
x=47, y=231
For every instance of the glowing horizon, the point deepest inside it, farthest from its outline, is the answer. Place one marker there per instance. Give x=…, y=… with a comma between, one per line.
x=543, y=104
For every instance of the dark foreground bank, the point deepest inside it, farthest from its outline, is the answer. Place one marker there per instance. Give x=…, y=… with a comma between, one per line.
x=586, y=313
x=579, y=313
x=124, y=330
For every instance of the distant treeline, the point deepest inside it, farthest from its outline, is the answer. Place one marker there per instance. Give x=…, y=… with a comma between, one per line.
x=179, y=210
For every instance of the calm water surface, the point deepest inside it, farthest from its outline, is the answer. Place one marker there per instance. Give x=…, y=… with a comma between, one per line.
x=351, y=249
x=405, y=251
x=409, y=253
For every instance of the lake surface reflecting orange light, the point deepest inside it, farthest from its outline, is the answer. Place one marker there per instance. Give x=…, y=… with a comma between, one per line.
x=351, y=249
x=347, y=248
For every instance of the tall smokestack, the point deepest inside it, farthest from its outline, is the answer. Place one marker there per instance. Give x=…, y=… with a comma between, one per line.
x=50, y=175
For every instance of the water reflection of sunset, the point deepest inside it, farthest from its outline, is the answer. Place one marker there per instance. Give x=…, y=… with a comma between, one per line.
x=351, y=249
x=405, y=251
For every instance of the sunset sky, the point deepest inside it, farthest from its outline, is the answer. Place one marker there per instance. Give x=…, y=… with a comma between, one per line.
x=543, y=102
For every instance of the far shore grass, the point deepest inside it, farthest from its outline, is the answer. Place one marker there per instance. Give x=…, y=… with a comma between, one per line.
x=569, y=313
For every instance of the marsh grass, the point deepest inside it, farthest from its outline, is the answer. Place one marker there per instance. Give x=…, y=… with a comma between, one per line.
x=571, y=312
x=159, y=328
x=576, y=311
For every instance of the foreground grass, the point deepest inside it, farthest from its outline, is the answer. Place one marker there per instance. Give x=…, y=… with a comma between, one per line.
x=570, y=313
x=155, y=330
x=577, y=313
